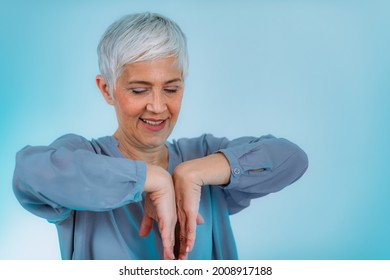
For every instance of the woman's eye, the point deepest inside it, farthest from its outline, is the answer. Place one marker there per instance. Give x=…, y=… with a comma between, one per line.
x=171, y=90
x=138, y=90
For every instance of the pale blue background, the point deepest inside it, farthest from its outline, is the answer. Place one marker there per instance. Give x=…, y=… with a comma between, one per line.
x=315, y=72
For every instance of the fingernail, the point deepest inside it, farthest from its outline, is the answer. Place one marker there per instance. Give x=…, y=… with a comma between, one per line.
x=188, y=249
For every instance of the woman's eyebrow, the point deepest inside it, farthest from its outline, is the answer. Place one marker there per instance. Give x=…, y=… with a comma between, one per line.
x=140, y=82
x=173, y=81
x=150, y=84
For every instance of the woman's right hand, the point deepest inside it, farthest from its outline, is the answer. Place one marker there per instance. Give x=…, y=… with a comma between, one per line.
x=160, y=206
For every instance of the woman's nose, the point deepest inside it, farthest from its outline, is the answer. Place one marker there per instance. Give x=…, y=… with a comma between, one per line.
x=157, y=103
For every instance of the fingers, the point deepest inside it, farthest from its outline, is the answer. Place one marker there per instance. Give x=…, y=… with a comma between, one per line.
x=167, y=235
x=199, y=219
x=168, y=239
x=187, y=234
x=146, y=226
x=168, y=244
x=187, y=238
x=190, y=233
x=166, y=226
x=188, y=217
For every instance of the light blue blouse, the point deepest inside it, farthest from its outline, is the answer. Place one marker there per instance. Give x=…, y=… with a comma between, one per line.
x=94, y=195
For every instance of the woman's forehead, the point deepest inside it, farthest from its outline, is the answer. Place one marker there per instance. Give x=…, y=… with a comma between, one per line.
x=165, y=70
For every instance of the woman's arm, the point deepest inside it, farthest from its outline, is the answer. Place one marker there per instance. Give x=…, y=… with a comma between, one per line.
x=50, y=181
x=160, y=206
x=261, y=166
x=246, y=168
x=188, y=179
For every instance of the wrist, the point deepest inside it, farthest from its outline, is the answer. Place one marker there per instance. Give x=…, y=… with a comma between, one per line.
x=210, y=170
x=188, y=170
x=156, y=178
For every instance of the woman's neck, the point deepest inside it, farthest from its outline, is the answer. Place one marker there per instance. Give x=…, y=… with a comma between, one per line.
x=156, y=155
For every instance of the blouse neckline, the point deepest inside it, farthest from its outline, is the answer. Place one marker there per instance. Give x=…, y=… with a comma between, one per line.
x=112, y=145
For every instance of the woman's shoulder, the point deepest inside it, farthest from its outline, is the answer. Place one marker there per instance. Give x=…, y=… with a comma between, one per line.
x=202, y=145
x=70, y=140
x=100, y=145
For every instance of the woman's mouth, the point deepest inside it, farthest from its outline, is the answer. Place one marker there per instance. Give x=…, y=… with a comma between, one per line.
x=153, y=124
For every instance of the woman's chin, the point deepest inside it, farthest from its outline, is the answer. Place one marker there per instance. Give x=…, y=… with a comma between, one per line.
x=154, y=141
x=155, y=138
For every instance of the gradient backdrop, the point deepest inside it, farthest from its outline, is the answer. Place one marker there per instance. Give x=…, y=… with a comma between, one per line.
x=314, y=72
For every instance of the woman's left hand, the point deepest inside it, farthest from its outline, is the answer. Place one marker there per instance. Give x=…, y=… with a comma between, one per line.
x=188, y=179
x=188, y=190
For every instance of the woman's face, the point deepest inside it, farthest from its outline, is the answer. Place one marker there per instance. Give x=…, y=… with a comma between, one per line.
x=147, y=101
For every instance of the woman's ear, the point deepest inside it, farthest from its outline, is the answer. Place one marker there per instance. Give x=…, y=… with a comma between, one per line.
x=102, y=85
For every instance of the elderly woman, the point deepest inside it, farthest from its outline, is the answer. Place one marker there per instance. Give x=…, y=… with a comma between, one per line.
x=106, y=196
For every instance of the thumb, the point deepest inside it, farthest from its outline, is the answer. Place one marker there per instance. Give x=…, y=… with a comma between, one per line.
x=199, y=219
x=146, y=226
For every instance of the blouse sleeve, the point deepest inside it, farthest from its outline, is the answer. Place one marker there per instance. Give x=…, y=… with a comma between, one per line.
x=51, y=181
x=259, y=166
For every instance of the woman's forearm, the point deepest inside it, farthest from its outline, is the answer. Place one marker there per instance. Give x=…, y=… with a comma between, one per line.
x=210, y=170
x=188, y=178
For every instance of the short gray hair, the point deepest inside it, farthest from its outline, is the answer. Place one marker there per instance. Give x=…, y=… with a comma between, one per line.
x=140, y=37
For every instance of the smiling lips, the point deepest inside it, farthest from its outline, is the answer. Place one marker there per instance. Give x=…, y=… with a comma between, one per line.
x=153, y=124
